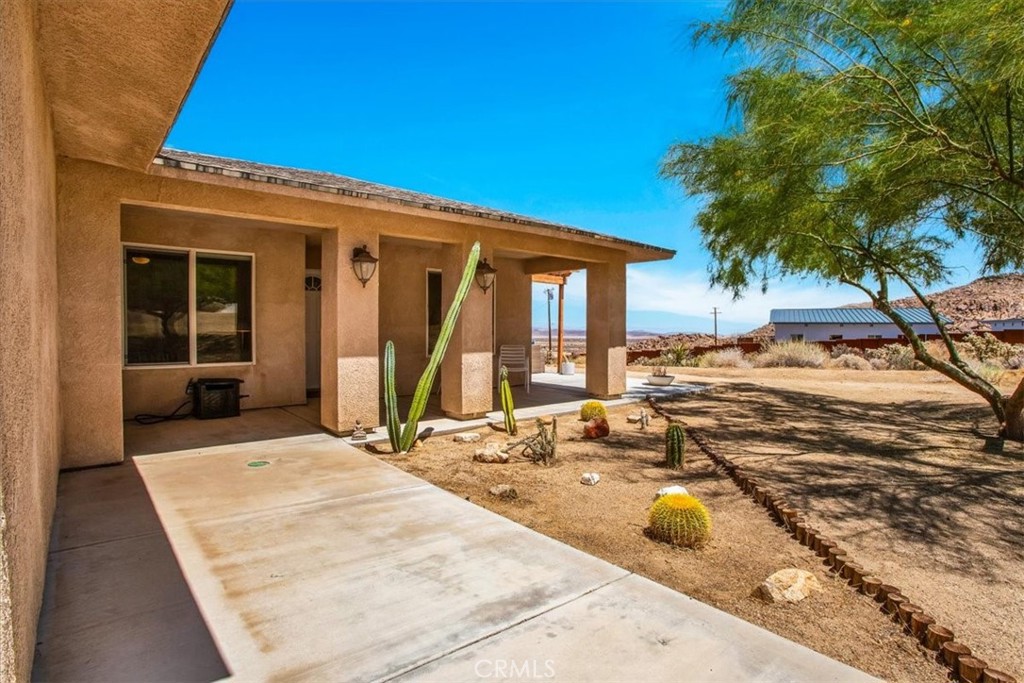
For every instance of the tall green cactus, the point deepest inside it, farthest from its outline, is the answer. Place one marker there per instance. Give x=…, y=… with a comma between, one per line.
x=507, y=407
x=675, y=446
x=403, y=442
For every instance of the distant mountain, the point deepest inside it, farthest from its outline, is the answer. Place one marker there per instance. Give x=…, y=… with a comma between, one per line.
x=987, y=298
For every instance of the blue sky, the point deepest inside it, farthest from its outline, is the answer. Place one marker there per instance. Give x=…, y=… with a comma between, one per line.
x=560, y=111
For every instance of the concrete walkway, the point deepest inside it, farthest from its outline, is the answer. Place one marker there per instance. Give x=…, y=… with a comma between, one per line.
x=328, y=564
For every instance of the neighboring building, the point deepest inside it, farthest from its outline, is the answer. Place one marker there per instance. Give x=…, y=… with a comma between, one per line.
x=1005, y=324
x=127, y=269
x=835, y=324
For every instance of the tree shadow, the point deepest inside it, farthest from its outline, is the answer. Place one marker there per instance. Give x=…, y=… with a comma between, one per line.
x=912, y=472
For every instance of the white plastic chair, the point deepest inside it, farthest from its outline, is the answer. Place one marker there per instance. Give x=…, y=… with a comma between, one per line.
x=515, y=359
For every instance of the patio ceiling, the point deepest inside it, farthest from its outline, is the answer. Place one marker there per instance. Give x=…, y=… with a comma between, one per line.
x=118, y=71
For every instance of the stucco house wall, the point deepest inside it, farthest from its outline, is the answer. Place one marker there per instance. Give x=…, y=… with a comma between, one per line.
x=513, y=323
x=29, y=414
x=276, y=377
x=823, y=332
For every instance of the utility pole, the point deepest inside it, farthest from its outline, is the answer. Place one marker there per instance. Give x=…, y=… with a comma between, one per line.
x=550, y=291
x=715, y=313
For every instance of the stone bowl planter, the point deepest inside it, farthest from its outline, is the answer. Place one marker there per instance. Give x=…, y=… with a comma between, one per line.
x=660, y=380
x=567, y=368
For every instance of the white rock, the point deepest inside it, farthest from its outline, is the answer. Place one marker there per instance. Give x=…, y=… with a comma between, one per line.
x=468, y=437
x=632, y=419
x=490, y=453
x=590, y=478
x=504, y=491
x=670, y=489
x=788, y=585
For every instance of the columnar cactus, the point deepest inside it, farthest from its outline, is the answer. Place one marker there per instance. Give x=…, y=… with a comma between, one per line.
x=675, y=446
x=680, y=519
x=507, y=407
x=403, y=442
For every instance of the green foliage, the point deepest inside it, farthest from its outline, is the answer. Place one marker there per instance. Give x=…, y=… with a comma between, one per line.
x=592, y=409
x=403, y=442
x=680, y=519
x=675, y=446
x=872, y=140
x=507, y=406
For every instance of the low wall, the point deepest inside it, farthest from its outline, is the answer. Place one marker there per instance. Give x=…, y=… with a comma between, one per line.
x=1007, y=336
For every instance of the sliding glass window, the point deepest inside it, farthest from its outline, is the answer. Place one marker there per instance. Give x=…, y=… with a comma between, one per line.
x=186, y=307
x=223, y=308
x=157, y=306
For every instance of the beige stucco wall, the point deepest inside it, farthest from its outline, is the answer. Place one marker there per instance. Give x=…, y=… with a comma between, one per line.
x=90, y=196
x=277, y=377
x=513, y=323
x=29, y=416
x=403, y=307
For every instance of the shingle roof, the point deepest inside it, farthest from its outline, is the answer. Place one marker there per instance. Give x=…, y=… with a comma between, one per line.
x=846, y=316
x=352, y=187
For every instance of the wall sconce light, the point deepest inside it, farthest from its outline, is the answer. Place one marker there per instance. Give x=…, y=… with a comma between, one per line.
x=363, y=264
x=485, y=274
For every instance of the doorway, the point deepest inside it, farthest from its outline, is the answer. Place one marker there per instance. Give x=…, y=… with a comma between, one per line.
x=313, y=286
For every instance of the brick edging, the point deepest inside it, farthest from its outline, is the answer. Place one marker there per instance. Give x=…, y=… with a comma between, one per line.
x=963, y=664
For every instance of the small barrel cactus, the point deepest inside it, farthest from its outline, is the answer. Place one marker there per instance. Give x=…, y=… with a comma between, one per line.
x=675, y=446
x=592, y=409
x=680, y=519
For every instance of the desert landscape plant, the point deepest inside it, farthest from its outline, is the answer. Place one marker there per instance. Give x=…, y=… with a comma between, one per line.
x=726, y=358
x=508, y=409
x=849, y=361
x=680, y=519
x=401, y=437
x=675, y=446
x=790, y=354
x=592, y=409
x=872, y=142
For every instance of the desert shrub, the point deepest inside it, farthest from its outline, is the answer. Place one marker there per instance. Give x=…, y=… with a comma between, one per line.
x=726, y=358
x=987, y=348
x=849, y=361
x=791, y=355
x=592, y=409
x=1016, y=361
x=840, y=350
x=680, y=519
x=677, y=356
x=879, y=364
x=896, y=356
x=989, y=371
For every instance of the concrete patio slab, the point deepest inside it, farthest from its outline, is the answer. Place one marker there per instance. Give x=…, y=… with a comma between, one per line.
x=329, y=564
x=635, y=630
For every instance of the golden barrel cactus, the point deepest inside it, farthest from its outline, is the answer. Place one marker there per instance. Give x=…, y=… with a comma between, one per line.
x=680, y=519
x=592, y=409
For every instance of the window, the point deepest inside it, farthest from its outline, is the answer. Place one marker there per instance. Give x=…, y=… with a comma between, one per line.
x=434, y=313
x=874, y=336
x=835, y=337
x=186, y=307
x=796, y=337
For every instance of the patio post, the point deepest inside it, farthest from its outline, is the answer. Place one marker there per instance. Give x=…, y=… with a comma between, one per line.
x=466, y=373
x=349, y=364
x=606, y=329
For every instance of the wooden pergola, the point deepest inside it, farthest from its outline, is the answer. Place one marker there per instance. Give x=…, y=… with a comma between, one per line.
x=557, y=279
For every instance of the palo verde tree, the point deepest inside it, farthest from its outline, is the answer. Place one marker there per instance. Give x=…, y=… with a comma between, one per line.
x=871, y=139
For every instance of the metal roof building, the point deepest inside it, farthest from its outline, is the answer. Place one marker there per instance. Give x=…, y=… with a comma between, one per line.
x=849, y=316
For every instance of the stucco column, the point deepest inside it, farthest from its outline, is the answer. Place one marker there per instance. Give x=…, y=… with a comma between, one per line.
x=89, y=266
x=349, y=365
x=606, y=329
x=466, y=384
